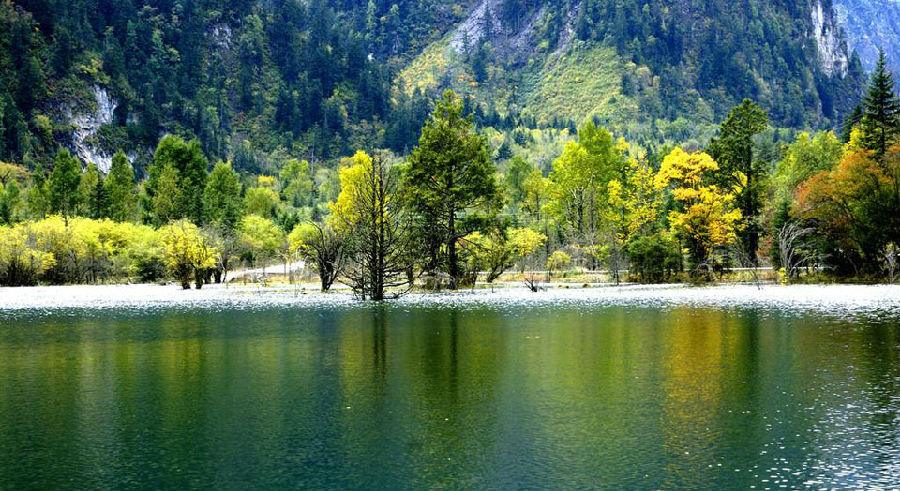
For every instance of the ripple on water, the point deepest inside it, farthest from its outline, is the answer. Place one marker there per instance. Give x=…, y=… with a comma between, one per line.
x=842, y=301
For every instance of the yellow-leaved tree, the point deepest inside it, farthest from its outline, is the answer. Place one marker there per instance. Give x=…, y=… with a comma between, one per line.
x=186, y=252
x=708, y=217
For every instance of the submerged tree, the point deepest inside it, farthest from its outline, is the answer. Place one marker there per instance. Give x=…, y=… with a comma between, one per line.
x=322, y=246
x=370, y=214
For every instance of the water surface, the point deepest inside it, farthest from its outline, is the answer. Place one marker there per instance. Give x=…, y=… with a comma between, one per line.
x=456, y=394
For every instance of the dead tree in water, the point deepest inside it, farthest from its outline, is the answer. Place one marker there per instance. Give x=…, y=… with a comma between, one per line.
x=378, y=240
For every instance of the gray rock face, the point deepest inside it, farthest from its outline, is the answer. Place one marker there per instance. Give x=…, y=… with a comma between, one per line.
x=831, y=49
x=871, y=24
x=86, y=127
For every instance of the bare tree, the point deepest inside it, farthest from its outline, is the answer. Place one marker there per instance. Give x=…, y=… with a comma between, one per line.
x=891, y=258
x=379, y=241
x=790, y=241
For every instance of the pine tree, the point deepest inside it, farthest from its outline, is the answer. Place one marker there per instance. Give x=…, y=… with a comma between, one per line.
x=65, y=184
x=93, y=192
x=851, y=121
x=120, y=190
x=881, y=119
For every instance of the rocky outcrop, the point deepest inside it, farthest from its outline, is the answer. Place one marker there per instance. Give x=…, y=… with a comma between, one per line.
x=870, y=25
x=87, y=124
x=830, y=45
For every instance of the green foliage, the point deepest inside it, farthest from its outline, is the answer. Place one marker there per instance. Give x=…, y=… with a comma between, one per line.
x=733, y=150
x=93, y=191
x=10, y=202
x=222, y=197
x=449, y=182
x=119, y=189
x=805, y=157
x=653, y=258
x=65, y=185
x=296, y=184
x=881, y=115
x=261, y=201
x=185, y=168
x=260, y=237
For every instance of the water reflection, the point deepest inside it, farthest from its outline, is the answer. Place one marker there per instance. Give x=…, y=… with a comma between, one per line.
x=386, y=397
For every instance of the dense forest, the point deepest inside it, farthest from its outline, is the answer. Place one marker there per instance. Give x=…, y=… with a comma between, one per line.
x=257, y=81
x=673, y=141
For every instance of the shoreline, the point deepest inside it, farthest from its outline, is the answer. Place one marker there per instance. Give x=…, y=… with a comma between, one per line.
x=825, y=298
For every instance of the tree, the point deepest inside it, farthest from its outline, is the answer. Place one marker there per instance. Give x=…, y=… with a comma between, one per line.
x=222, y=197
x=261, y=201
x=733, y=152
x=518, y=170
x=854, y=208
x=708, y=218
x=579, y=182
x=805, y=157
x=10, y=200
x=322, y=246
x=38, y=196
x=450, y=183
x=881, y=111
x=92, y=189
x=189, y=164
x=558, y=261
x=186, y=253
x=653, y=258
x=167, y=196
x=296, y=184
x=371, y=215
x=65, y=185
x=260, y=237
x=120, y=190
x=499, y=249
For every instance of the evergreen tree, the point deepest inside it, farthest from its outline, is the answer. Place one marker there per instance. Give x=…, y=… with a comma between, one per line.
x=851, y=121
x=189, y=165
x=65, y=185
x=881, y=119
x=733, y=150
x=120, y=190
x=94, y=204
x=450, y=182
x=222, y=197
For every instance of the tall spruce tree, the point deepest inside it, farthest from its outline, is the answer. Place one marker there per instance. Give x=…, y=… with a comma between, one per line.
x=881, y=119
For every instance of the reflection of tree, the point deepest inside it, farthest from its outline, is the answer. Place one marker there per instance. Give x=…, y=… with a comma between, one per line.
x=693, y=380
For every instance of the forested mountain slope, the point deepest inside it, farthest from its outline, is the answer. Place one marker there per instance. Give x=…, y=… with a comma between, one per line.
x=258, y=81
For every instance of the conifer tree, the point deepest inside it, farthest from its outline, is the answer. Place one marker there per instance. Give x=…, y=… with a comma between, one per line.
x=881, y=118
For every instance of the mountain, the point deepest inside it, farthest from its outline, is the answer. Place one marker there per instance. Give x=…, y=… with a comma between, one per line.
x=870, y=25
x=258, y=81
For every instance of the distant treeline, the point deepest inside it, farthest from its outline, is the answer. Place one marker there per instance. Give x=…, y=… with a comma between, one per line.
x=825, y=205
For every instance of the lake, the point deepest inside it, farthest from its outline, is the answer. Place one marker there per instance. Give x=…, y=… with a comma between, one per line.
x=647, y=389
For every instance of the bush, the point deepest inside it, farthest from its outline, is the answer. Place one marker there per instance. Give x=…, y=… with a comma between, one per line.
x=653, y=258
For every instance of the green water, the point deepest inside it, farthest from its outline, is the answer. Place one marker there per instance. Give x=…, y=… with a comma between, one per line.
x=432, y=397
